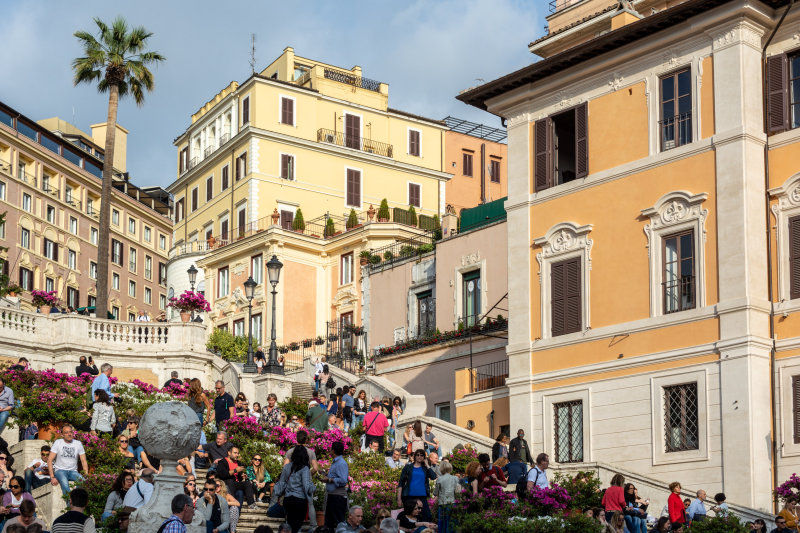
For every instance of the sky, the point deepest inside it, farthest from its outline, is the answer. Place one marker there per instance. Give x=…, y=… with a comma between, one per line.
x=427, y=51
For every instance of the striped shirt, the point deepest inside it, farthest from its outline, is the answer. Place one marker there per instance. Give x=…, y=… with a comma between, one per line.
x=73, y=522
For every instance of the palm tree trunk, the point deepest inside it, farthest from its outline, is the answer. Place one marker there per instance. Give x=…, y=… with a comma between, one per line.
x=103, y=256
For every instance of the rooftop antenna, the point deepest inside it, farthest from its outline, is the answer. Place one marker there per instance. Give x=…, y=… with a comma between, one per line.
x=73, y=115
x=252, y=53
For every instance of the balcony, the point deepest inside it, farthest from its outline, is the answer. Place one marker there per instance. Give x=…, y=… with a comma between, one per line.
x=678, y=294
x=357, y=143
x=676, y=131
x=349, y=79
x=490, y=376
x=486, y=327
x=208, y=151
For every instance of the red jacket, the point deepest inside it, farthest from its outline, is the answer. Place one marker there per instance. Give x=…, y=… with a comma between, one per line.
x=614, y=499
x=677, y=513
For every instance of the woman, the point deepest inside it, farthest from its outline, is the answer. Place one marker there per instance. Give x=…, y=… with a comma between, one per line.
x=154, y=463
x=789, y=513
x=184, y=466
x=127, y=451
x=662, y=526
x=296, y=488
x=411, y=518
x=360, y=408
x=413, y=438
x=103, y=417
x=677, y=512
x=414, y=484
x=190, y=489
x=473, y=471
x=445, y=490
x=234, y=507
x=635, y=512
x=115, y=498
x=617, y=523
x=199, y=402
x=271, y=414
x=333, y=402
x=500, y=447
x=614, y=498
x=760, y=526
x=325, y=376
x=260, y=361
x=397, y=410
x=8, y=473
x=256, y=411
x=259, y=477
x=14, y=497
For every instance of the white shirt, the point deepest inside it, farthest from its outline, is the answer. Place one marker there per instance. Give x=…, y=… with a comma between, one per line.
x=541, y=481
x=143, y=318
x=41, y=470
x=67, y=454
x=318, y=368
x=133, y=499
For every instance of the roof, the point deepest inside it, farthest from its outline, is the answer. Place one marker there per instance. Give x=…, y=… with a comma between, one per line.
x=596, y=47
x=573, y=24
x=418, y=117
x=474, y=129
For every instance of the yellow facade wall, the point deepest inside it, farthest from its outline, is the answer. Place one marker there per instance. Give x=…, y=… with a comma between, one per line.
x=300, y=282
x=783, y=163
x=479, y=412
x=610, y=145
x=707, y=98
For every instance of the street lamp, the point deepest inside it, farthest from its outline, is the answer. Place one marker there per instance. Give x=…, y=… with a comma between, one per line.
x=249, y=290
x=274, y=273
x=192, y=278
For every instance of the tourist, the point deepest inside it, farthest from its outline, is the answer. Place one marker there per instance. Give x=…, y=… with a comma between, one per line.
x=319, y=366
x=412, y=518
x=635, y=513
x=614, y=498
x=293, y=423
x=218, y=450
x=36, y=472
x=258, y=359
x=116, y=498
x=224, y=405
x=25, y=518
x=413, y=438
x=697, y=510
x=395, y=461
x=325, y=379
x=190, y=489
x=518, y=449
x=676, y=510
x=184, y=466
x=141, y=491
x=414, y=484
x=721, y=509
x=127, y=452
x=431, y=442
x=233, y=474
x=333, y=402
x=336, y=486
x=22, y=364
x=780, y=525
x=14, y=497
x=214, y=509
x=332, y=422
x=150, y=461
x=537, y=476
x=271, y=414
x=6, y=403
x=515, y=470
x=473, y=472
x=302, y=440
x=389, y=525
x=103, y=380
x=75, y=520
x=617, y=523
x=62, y=463
x=500, y=447
x=490, y=476
x=662, y=526
x=103, y=417
x=376, y=424
x=86, y=367
x=234, y=505
x=359, y=408
x=173, y=380
x=296, y=487
x=445, y=490
x=259, y=477
x=256, y=411
x=348, y=402
x=759, y=525
x=134, y=444
x=316, y=417
x=353, y=522
x=242, y=408
x=182, y=514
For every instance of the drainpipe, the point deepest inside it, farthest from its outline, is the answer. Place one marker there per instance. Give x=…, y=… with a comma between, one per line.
x=483, y=173
x=772, y=351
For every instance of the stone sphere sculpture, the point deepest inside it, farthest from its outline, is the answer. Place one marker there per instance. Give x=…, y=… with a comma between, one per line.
x=169, y=430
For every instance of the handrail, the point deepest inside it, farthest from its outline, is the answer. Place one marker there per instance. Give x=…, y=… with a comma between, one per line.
x=358, y=143
x=351, y=79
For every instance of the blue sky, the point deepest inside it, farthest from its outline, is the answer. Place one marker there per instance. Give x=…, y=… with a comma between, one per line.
x=426, y=51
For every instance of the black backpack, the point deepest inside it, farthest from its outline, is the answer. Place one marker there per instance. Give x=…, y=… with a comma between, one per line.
x=522, y=485
x=330, y=383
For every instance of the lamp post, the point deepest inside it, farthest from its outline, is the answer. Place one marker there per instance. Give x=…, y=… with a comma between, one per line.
x=192, y=272
x=274, y=272
x=249, y=290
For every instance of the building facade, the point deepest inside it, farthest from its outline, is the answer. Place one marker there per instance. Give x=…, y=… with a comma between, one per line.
x=653, y=319
x=50, y=186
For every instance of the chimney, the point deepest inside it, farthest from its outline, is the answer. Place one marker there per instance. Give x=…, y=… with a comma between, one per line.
x=120, y=144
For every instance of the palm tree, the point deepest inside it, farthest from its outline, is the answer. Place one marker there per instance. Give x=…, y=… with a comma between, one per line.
x=117, y=61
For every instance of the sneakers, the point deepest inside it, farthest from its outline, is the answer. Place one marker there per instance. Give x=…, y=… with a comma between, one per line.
x=253, y=506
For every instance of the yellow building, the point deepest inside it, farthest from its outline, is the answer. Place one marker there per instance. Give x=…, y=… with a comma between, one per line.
x=653, y=257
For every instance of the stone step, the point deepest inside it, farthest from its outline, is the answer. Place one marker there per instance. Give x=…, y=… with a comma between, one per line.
x=302, y=390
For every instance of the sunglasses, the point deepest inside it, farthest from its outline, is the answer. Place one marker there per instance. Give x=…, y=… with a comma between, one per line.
x=123, y=441
x=3, y=458
x=294, y=419
x=190, y=483
x=13, y=486
x=257, y=459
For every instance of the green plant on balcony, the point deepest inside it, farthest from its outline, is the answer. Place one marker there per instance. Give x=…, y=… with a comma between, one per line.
x=330, y=228
x=364, y=255
x=412, y=216
x=227, y=345
x=437, y=228
x=319, y=341
x=406, y=250
x=374, y=259
x=383, y=211
x=293, y=346
x=424, y=249
x=352, y=219
x=299, y=224
x=388, y=255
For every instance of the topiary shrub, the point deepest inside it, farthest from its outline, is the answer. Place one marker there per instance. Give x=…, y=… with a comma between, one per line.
x=298, y=224
x=388, y=255
x=352, y=219
x=412, y=216
x=383, y=211
x=330, y=228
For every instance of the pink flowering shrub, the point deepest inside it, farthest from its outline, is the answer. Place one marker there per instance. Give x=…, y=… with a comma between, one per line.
x=545, y=502
x=190, y=301
x=242, y=429
x=41, y=298
x=98, y=486
x=461, y=457
x=372, y=496
x=102, y=453
x=789, y=488
x=285, y=438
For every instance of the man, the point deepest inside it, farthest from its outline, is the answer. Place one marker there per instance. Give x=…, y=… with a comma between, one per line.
x=86, y=368
x=394, y=461
x=62, y=462
x=143, y=317
x=36, y=472
x=26, y=517
x=173, y=380
x=336, y=486
x=433, y=459
x=318, y=368
x=516, y=471
x=182, y=514
x=697, y=510
x=233, y=474
x=376, y=424
x=491, y=476
x=316, y=417
x=349, y=402
x=292, y=423
x=353, y=522
x=780, y=522
x=224, y=406
x=389, y=525
x=518, y=449
x=139, y=494
x=75, y=520
x=21, y=365
x=215, y=509
x=332, y=422
x=373, y=447
x=431, y=442
x=103, y=381
x=218, y=450
x=6, y=403
x=537, y=477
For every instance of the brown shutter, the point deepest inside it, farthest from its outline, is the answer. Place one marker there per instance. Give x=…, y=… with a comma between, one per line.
x=777, y=94
x=581, y=142
x=284, y=166
x=557, y=298
x=245, y=111
x=796, y=408
x=413, y=194
x=467, y=164
x=353, y=187
x=287, y=217
x=794, y=257
x=287, y=111
x=543, y=167
x=565, y=297
x=224, y=178
x=209, y=189
x=413, y=142
x=242, y=221
x=352, y=130
x=194, y=199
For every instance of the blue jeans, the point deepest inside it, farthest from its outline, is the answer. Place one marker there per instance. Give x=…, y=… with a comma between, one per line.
x=358, y=420
x=33, y=482
x=65, y=476
x=444, y=521
x=636, y=524
x=137, y=452
x=3, y=419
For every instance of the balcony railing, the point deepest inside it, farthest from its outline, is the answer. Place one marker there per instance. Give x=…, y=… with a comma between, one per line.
x=193, y=163
x=355, y=81
x=403, y=249
x=679, y=294
x=487, y=326
x=490, y=376
x=225, y=137
x=676, y=131
x=359, y=143
x=208, y=151
x=558, y=5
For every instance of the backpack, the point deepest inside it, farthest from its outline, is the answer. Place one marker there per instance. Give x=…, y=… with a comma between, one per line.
x=330, y=383
x=522, y=485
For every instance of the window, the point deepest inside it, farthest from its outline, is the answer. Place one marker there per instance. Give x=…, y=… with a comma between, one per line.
x=2, y=190
x=256, y=326
x=352, y=131
x=162, y=273
x=132, y=226
x=184, y=160
x=568, y=426
x=116, y=252
x=45, y=183
x=131, y=317
x=413, y=142
x=50, y=250
x=241, y=221
x=73, y=225
x=257, y=268
x=426, y=313
x=224, y=180
x=162, y=301
x=73, y=298
x=115, y=281
x=353, y=188
x=494, y=171
x=3, y=235
x=26, y=279
x=115, y=217
x=90, y=206
x=148, y=234
x=148, y=267
x=223, y=229
x=238, y=327
x=51, y=214
x=179, y=210
x=414, y=194
x=132, y=289
x=72, y=259
x=68, y=194
x=241, y=166
x=443, y=411
x=471, y=297
x=783, y=87
x=794, y=257
x=93, y=270
x=94, y=236
x=49, y=284
x=115, y=312
x=676, y=109
x=287, y=111
x=209, y=234
x=680, y=417
x=287, y=217
x=26, y=202
x=25, y=238
x=195, y=194
x=565, y=296
x=209, y=188
x=346, y=264
x=162, y=242
x=222, y=282
x=92, y=301
x=287, y=166
x=560, y=148
x=245, y=110
x=678, y=281
x=132, y=259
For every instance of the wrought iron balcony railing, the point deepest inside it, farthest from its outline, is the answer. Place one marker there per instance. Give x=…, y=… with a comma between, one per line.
x=355, y=81
x=350, y=141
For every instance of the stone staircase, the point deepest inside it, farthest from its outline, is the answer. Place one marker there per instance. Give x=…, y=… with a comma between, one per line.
x=302, y=390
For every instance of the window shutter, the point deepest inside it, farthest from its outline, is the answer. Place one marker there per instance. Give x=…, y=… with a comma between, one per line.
x=242, y=221
x=777, y=94
x=287, y=217
x=557, y=298
x=284, y=166
x=581, y=142
x=194, y=199
x=543, y=168
x=413, y=194
x=794, y=257
x=796, y=408
x=245, y=111
x=572, y=305
x=209, y=189
x=353, y=188
x=467, y=164
x=287, y=111
x=413, y=142
x=224, y=178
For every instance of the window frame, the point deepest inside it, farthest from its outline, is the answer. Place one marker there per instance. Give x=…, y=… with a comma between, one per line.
x=466, y=277
x=417, y=145
x=147, y=234
x=569, y=405
x=72, y=259
x=238, y=325
x=658, y=410
x=225, y=178
x=680, y=259
x=115, y=217
x=73, y=225
x=25, y=238
x=290, y=167
x=495, y=162
x=544, y=174
x=117, y=259
x=347, y=202
x=346, y=266
x=26, y=279
x=227, y=285
x=115, y=281
x=52, y=253
x=683, y=390
x=27, y=202
x=246, y=110
x=412, y=184
x=209, y=188
x=675, y=98
x=195, y=199
x=94, y=235
x=132, y=288
x=257, y=272
x=467, y=156
x=292, y=111
x=92, y=270
x=241, y=166
x=132, y=224
x=133, y=261
x=48, y=210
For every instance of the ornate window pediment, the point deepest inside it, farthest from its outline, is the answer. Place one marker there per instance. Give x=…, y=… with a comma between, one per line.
x=787, y=207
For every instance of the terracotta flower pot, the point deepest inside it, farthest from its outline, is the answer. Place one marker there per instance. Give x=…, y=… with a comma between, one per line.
x=46, y=431
x=186, y=316
x=45, y=309
x=364, y=261
x=383, y=220
x=320, y=518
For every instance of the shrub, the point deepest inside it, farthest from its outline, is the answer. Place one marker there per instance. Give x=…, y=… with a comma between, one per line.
x=330, y=228
x=98, y=486
x=406, y=250
x=374, y=259
x=372, y=496
x=273, y=461
x=461, y=457
x=298, y=224
x=41, y=298
x=352, y=219
x=242, y=429
x=227, y=345
x=583, y=493
x=190, y=301
x=718, y=524
x=490, y=522
x=412, y=216
x=102, y=453
x=388, y=255
x=383, y=210
x=294, y=406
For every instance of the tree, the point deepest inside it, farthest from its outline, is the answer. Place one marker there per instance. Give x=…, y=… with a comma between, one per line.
x=117, y=61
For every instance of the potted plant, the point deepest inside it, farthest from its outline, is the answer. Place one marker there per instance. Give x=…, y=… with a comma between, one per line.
x=374, y=259
x=358, y=331
x=283, y=349
x=307, y=343
x=364, y=257
x=383, y=211
x=319, y=341
x=406, y=250
x=298, y=224
x=189, y=301
x=352, y=220
x=44, y=300
x=333, y=337
x=412, y=216
x=13, y=290
x=293, y=346
x=330, y=228
x=388, y=255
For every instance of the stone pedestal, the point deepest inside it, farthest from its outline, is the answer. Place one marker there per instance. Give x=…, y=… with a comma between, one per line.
x=257, y=386
x=50, y=503
x=24, y=452
x=10, y=434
